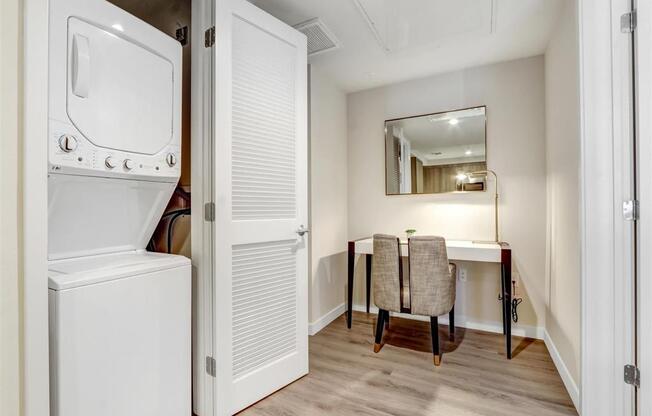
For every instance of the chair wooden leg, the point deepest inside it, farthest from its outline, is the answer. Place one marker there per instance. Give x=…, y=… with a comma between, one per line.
x=379, y=330
x=386, y=320
x=451, y=324
x=368, y=287
x=434, y=335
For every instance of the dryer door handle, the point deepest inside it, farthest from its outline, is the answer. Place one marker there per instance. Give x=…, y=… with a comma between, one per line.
x=81, y=65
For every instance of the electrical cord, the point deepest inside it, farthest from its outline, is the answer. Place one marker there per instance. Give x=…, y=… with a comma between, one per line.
x=176, y=215
x=515, y=302
x=176, y=211
x=180, y=192
x=151, y=246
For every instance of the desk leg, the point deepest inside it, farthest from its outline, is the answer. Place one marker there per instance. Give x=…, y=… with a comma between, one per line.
x=368, y=256
x=506, y=263
x=349, y=290
x=502, y=295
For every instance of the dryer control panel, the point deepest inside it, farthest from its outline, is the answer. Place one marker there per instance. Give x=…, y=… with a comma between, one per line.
x=71, y=153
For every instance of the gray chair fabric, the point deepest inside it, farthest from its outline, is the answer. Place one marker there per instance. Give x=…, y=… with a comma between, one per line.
x=385, y=273
x=432, y=278
x=428, y=289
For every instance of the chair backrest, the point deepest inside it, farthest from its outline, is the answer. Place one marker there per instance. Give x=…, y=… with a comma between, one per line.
x=432, y=281
x=386, y=274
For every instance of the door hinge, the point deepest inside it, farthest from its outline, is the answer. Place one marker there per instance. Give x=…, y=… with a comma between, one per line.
x=182, y=35
x=628, y=22
x=210, y=366
x=632, y=375
x=630, y=210
x=209, y=211
x=209, y=37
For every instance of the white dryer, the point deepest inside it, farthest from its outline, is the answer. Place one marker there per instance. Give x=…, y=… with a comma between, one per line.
x=119, y=316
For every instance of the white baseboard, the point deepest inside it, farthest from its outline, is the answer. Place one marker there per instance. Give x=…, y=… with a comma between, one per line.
x=464, y=322
x=569, y=383
x=329, y=317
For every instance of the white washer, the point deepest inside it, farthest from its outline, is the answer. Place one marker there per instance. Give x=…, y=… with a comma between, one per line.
x=120, y=325
x=120, y=335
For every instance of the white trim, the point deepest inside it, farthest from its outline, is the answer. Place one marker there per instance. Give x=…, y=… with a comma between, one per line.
x=321, y=323
x=644, y=96
x=606, y=339
x=462, y=321
x=201, y=183
x=35, y=380
x=569, y=382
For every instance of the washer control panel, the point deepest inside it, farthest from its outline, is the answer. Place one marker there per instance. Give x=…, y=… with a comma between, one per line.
x=70, y=152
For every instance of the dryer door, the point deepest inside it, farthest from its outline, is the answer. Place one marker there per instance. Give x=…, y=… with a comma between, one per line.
x=120, y=94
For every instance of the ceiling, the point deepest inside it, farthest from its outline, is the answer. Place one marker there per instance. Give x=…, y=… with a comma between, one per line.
x=388, y=41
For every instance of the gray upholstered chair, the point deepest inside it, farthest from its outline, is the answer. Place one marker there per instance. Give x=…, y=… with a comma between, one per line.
x=428, y=290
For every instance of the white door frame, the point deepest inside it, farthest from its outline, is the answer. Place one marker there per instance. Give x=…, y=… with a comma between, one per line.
x=644, y=133
x=606, y=181
x=36, y=375
x=202, y=184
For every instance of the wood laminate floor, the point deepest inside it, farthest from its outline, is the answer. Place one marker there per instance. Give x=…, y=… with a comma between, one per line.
x=347, y=378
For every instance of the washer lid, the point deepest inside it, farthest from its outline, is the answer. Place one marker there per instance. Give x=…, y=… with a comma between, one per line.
x=91, y=215
x=72, y=273
x=120, y=94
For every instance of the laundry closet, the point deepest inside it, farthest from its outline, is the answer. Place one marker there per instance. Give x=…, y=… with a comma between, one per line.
x=177, y=206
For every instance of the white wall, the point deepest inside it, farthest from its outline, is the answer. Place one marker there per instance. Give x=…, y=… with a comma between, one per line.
x=562, y=165
x=328, y=183
x=514, y=95
x=10, y=188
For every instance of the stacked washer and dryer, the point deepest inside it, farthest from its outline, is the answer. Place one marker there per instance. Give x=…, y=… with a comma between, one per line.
x=120, y=317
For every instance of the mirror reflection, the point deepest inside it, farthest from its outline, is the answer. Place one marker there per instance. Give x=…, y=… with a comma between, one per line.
x=435, y=153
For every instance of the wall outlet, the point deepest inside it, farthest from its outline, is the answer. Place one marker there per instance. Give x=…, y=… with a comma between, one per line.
x=516, y=284
x=462, y=274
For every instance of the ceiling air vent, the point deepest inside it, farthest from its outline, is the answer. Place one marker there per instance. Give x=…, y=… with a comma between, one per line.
x=320, y=39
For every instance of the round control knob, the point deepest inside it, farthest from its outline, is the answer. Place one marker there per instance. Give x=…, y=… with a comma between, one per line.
x=67, y=143
x=110, y=162
x=129, y=164
x=171, y=159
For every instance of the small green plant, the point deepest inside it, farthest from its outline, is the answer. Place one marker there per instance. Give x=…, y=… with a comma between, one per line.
x=410, y=232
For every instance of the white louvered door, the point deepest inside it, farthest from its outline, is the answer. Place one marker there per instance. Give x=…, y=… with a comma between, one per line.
x=261, y=262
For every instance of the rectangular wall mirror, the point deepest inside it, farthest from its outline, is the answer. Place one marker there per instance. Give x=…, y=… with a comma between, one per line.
x=436, y=153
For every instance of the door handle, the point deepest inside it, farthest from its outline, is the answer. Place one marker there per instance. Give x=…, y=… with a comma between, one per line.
x=80, y=66
x=302, y=230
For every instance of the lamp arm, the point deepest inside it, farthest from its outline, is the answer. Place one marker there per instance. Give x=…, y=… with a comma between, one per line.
x=495, y=203
x=484, y=172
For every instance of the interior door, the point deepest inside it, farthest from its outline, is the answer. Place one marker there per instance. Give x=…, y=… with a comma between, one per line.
x=261, y=263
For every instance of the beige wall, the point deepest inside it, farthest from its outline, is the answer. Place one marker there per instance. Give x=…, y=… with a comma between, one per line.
x=328, y=184
x=514, y=95
x=10, y=189
x=562, y=162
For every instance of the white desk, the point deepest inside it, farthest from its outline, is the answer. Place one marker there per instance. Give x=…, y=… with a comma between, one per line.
x=462, y=250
